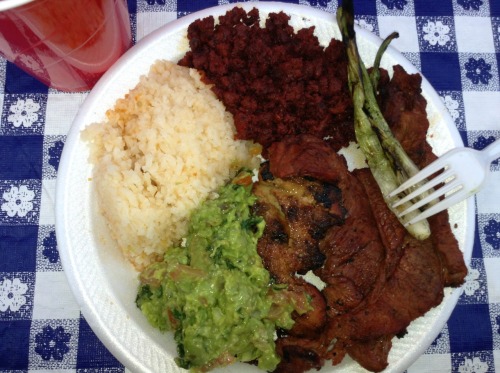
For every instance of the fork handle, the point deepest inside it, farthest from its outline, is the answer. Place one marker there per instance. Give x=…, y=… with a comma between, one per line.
x=492, y=151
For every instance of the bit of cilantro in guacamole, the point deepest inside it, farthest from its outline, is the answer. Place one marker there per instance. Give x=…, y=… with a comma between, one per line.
x=214, y=292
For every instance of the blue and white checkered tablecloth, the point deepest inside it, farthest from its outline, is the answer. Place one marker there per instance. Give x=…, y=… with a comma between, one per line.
x=454, y=43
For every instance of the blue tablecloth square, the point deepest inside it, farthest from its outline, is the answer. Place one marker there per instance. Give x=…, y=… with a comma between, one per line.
x=495, y=8
x=18, y=81
x=436, y=34
x=433, y=8
x=17, y=291
x=320, y=3
x=479, y=71
x=477, y=250
x=23, y=114
x=368, y=8
x=442, y=70
x=20, y=242
x=478, y=332
x=21, y=157
x=193, y=6
x=14, y=342
x=132, y=7
x=20, y=201
x=463, y=135
x=91, y=351
x=101, y=370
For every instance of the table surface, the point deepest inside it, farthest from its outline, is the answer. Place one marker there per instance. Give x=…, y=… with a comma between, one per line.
x=454, y=43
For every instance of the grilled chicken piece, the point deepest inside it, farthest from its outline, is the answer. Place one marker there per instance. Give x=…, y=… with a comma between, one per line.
x=298, y=212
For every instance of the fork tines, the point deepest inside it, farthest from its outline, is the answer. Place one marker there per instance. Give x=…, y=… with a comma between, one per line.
x=420, y=192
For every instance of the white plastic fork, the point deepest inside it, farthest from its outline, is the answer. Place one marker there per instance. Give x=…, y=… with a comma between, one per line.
x=464, y=171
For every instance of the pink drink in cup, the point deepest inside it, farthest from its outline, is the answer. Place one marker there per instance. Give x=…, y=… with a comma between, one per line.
x=66, y=44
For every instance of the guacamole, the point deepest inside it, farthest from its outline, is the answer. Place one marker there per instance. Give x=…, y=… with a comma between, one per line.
x=213, y=291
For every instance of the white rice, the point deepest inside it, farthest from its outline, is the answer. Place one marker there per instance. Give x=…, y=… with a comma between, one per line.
x=162, y=150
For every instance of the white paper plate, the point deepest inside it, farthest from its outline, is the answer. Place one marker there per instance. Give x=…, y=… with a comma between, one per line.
x=105, y=285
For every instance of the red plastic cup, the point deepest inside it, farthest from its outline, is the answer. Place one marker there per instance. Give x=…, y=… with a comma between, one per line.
x=66, y=44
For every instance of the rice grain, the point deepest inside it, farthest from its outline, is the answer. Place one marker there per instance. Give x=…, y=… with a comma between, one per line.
x=163, y=149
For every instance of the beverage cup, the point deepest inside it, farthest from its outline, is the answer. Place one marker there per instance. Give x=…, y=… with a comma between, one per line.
x=66, y=44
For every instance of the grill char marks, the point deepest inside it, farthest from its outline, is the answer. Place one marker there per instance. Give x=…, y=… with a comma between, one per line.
x=295, y=222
